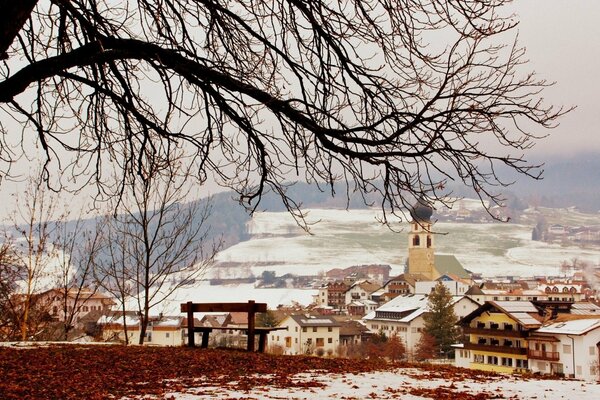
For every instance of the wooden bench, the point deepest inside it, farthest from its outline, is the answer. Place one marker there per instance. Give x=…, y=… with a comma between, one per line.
x=250, y=307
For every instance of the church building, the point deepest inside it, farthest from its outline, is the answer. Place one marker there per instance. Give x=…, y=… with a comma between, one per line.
x=421, y=249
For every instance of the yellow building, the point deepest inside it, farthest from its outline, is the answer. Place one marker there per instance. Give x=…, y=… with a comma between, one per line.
x=422, y=260
x=498, y=334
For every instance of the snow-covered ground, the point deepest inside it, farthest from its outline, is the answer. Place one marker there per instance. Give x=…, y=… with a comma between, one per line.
x=344, y=238
x=402, y=384
x=203, y=292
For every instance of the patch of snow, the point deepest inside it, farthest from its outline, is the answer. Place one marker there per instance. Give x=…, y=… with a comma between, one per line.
x=398, y=384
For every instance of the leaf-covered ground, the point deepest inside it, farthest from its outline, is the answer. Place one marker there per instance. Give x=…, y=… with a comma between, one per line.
x=98, y=372
x=101, y=372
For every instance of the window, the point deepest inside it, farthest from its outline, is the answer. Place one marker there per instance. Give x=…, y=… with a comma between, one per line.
x=492, y=360
x=507, y=362
x=330, y=329
x=296, y=340
x=478, y=358
x=304, y=329
x=428, y=241
x=521, y=363
x=329, y=340
x=416, y=240
x=592, y=350
x=320, y=342
x=288, y=341
x=314, y=328
x=567, y=348
x=296, y=329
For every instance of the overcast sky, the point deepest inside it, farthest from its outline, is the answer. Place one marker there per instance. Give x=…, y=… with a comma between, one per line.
x=562, y=38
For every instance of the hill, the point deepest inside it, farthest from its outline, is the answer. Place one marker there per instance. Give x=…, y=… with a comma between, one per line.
x=100, y=372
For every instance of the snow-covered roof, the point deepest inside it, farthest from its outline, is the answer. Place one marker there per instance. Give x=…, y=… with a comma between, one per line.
x=118, y=320
x=168, y=321
x=413, y=304
x=516, y=306
x=321, y=320
x=404, y=303
x=573, y=327
x=584, y=309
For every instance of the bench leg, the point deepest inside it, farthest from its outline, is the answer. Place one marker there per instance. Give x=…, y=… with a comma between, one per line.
x=204, y=344
x=262, y=342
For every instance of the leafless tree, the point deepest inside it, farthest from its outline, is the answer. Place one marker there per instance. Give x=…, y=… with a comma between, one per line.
x=10, y=272
x=394, y=98
x=78, y=248
x=35, y=229
x=162, y=241
x=112, y=269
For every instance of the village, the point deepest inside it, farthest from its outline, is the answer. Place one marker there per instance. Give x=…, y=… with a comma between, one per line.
x=542, y=325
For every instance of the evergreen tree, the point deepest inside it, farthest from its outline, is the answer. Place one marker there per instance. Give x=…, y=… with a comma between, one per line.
x=440, y=321
x=267, y=319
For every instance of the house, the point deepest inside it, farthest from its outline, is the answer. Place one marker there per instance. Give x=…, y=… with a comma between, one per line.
x=562, y=291
x=352, y=333
x=336, y=294
x=498, y=336
x=360, y=290
x=114, y=325
x=78, y=303
x=307, y=335
x=168, y=331
x=455, y=285
x=569, y=345
x=401, y=285
x=161, y=330
x=403, y=317
x=361, y=307
x=483, y=294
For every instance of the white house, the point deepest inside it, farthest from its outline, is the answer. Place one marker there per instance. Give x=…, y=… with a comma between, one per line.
x=455, y=285
x=307, y=335
x=360, y=290
x=403, y=317
x=570, y=347
x=161, y=331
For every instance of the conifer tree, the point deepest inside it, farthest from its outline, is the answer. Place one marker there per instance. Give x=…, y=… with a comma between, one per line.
x=440, y=321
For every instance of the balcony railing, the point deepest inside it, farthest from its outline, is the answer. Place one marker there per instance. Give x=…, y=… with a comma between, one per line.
x=496, y=349
x=543, y=355
x=495, y=332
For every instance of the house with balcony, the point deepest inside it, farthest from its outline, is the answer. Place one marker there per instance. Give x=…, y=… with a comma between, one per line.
x=360, y=290
x=498, y=336
x=569, y=345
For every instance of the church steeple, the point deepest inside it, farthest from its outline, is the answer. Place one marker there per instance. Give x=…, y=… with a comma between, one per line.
x=421, y=258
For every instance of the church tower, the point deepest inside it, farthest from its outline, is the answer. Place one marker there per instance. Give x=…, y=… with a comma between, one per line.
x=421, y=258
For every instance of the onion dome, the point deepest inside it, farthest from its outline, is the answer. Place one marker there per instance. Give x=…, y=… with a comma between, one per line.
x=421, y=211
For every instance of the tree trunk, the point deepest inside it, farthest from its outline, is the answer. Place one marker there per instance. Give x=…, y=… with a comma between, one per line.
x=13, y=15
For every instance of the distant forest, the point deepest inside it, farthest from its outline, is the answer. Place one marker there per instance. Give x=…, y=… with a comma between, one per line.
x=566, y=183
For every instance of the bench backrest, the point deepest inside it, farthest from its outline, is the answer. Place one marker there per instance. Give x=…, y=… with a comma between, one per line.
x=251, y=307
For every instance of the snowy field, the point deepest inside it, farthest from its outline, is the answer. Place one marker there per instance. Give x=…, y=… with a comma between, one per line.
x=203, y=292
x=344, y=238
x=402, y=384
